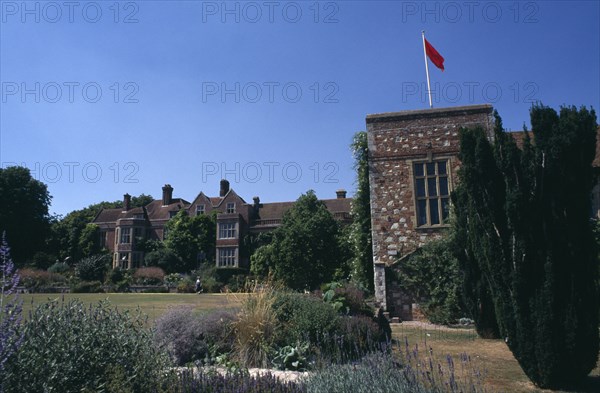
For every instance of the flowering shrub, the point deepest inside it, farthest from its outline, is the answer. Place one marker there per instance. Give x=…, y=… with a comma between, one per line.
x=346, y=298
x=303, y=317
x=10, y=308
x=72, y=347
x=189, y=337
x=239, y=382
x=149, y=276
x=40, y=280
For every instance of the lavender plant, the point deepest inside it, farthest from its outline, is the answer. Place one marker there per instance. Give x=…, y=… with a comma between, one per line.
x=10, y=307
x=236, y=382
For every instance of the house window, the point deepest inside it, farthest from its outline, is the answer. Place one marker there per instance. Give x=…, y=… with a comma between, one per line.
x=432, y=192
x=138, y=234
x=139, y=216
x=172, y=213
x=136, y=260
x=230, y=207
x=199, y=210
x=123, y=260
x=227, y=257
x=125, y=235
x=227, y=230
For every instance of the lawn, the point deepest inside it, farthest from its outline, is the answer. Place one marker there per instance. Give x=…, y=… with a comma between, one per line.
x=151, y=304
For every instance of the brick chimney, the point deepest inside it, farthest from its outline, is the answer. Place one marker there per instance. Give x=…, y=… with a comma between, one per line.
x=256, y=205
x=224, y=188
x=126, y=202
x=341, y=194
x=167, y=195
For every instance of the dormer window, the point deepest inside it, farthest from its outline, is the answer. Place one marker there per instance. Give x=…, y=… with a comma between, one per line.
x=139, y=216
x=200, y=210
x=230, y=208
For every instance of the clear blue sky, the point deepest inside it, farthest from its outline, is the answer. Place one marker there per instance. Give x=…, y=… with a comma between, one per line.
x=267, y=94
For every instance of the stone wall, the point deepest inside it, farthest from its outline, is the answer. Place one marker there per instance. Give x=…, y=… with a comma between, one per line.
x=397, y=141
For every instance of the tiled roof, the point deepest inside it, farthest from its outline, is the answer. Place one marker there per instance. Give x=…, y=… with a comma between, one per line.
x=216, y=201
x=108, y=215
x=276, y=210
x=156, y=211
x=112, y=215
x=338, y=205
x=273, y=211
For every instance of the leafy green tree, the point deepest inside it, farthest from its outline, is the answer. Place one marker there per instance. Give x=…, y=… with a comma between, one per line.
x=70, y=237
x=524, y=216
x=139, y=201
x=191, y=237
x=432, y=276
x=305, y=250
x=88, y=240
x=23, y=212
x=166, y=259
x=361, y=236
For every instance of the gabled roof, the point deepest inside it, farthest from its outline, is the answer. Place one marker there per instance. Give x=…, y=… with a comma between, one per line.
x=201, y=197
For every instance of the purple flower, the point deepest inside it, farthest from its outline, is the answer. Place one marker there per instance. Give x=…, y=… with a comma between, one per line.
x=10, y=306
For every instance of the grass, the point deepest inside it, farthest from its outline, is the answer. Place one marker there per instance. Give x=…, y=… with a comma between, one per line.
x=503, y=373
x=152, y=304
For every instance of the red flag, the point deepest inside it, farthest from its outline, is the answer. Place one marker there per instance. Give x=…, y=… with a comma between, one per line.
x=434, y=55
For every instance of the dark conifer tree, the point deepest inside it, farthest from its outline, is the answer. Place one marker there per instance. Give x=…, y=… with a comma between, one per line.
x=524, y=215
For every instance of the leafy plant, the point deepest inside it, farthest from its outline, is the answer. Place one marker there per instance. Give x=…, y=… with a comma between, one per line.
x=189, y=337
x=10, y=308
x=292, y=357
x=87, y=287
x=149, y=276
x=72, y=347
x=360, y=230
x=346, y=298
x=432, y=277
x=302, y=317
x=59, y=267
x=40, y=280
x=235, y=381
x=92, y=268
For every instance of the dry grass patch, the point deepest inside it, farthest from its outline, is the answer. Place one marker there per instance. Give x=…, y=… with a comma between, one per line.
x=503, y=373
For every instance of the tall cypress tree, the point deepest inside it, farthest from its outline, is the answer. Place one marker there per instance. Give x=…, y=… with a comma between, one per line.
x=528, y=240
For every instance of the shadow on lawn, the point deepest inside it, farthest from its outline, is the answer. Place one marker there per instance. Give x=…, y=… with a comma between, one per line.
x=589, y=385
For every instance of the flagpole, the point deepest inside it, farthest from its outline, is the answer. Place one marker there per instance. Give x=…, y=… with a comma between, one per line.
x=426, y=69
